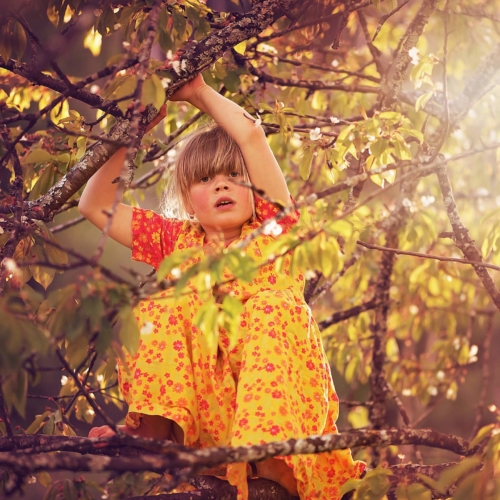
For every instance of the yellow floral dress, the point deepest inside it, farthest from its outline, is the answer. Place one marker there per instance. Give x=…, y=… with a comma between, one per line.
x=269, y=381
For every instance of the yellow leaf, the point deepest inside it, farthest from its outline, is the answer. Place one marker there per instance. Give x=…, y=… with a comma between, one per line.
x=93, y=42
x=241, y=47
x=434, y=286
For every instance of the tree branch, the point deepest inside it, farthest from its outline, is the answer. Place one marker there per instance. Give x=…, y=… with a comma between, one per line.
x=462, y=238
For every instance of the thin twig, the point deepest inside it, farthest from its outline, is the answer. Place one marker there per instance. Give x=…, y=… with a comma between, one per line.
x=383, y=19
x=97, y=409
x=371, y=246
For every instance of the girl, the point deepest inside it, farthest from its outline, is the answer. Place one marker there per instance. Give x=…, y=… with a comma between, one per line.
x=268, y=381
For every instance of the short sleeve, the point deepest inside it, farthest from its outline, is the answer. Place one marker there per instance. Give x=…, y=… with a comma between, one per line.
x=153, y=236
x=266, y=210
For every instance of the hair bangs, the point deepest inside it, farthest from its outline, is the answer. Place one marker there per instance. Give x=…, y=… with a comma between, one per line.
x=208, y=153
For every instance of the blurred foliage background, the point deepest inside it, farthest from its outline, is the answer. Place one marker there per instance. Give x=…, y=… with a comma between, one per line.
x=319, y=81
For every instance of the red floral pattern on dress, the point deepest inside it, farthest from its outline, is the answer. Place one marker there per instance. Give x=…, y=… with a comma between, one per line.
x=268, y=381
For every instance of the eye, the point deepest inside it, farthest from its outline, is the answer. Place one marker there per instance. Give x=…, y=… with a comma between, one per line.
x=205, y=179
x=234, y=174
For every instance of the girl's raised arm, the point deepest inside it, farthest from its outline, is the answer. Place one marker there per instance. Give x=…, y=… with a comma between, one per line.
x=261, y=164
x=98, y=198
x=100, y=192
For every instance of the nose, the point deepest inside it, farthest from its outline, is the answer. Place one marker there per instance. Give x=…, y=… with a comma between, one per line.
x=222, y=184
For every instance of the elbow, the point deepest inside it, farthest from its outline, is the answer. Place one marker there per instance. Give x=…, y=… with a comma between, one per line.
x=84, y=208
x=253, y=134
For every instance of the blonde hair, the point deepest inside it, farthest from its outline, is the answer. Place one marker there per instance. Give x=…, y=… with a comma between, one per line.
x=208, y=152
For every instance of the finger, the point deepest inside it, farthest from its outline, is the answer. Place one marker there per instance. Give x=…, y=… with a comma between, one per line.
x=94, y=432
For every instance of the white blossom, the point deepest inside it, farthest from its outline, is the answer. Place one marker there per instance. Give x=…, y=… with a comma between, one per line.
x=64, y=380
x=334, y=119
x=427, y=200
x=440, y=375
x=272, y=228
x=176, y=66
x=414, y=53
x=432, y=390
x=147, y=328
x=310, y=274
x=407, y=203
x=335, y=63
x=264, y=47
x=315, y=134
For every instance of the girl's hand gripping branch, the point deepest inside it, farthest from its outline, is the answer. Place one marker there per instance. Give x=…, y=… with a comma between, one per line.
x=263, y=169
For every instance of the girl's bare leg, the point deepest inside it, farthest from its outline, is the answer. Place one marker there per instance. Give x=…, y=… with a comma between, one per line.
x=278, y=471
x=151, y=426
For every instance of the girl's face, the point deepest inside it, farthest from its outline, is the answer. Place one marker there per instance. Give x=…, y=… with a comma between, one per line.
x=221, y=205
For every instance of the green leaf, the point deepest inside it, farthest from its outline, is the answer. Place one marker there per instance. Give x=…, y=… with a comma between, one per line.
x=179, y=22
x=423, y=100
x=350, y=370
x=105, y=337
x=390, y=115
x=412, y=132
x=14, y=390
x=455, y=473
x=482, y=434
x=77, y=348
x=165, y=41
x=44, y=479
x=232, y=81
x=305, y=163
x=5, y=42
x=241, y=47
x=129, y=331
x=49, y=427
x=37, y=423
x=378, y=147
x=153, y=92
x=358, y=417
x=350, y=485
x=70, y=492
x=418, y=492
x=44, y=182
x=41, y=274
x=38, y=156
x=19, y=39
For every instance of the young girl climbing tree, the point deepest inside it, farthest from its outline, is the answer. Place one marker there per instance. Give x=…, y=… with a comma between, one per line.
x=268, y=379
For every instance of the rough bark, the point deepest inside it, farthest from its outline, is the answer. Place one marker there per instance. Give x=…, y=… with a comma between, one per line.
x=197, y=57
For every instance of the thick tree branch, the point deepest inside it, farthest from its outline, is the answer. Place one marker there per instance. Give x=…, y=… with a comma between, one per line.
x=195, y=59
x=462, y=238
x=39, y=78
x=391, y=86
x=346, y=314
x=173, y=456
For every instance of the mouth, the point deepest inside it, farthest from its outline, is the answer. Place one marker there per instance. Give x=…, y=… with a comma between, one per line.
x=224, y=203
